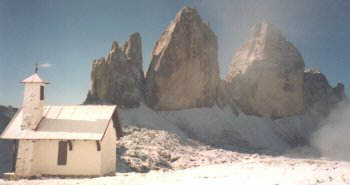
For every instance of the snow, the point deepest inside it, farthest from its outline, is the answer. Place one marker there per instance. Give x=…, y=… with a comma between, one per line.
x=221, y=127
x=332, y=139
x=146, y=117
x=249, y=169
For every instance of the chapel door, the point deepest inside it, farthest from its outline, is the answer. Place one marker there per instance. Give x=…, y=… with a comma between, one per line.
x=14, y=154
x=62, y=153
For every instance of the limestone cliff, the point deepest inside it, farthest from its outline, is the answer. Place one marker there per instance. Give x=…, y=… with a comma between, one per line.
x=184, y=70
x=266, y=75
x=119, y=79
x=6, y=114
x=318, y=94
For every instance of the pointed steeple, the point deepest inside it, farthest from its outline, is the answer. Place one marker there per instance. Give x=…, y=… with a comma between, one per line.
x=36, y=68
x=33, y=101
x=35, y=78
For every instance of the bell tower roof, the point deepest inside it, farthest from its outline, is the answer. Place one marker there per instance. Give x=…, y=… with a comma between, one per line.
x=35, y=78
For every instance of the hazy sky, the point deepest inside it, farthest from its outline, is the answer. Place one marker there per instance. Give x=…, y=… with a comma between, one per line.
x=68, y=35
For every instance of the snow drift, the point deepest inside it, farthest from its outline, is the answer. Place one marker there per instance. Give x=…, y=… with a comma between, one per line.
x=332, y=139
x=224, y=129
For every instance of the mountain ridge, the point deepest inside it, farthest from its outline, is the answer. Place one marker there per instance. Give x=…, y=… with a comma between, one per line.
x=184, y=74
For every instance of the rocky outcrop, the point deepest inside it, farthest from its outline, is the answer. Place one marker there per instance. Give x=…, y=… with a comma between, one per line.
x=119, y=79
x=224, y=97
x=318, y=94
x=144, y=149
x=266, y=75
x=184, y=69
x=6, y=113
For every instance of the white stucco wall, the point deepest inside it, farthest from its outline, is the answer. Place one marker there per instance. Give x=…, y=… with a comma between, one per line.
x=25, y=158
x=40, y=157
x=108, y=148
x=32, y=105
x=84, y=159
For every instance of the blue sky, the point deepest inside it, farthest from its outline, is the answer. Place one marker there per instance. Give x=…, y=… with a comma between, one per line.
x=70, y=34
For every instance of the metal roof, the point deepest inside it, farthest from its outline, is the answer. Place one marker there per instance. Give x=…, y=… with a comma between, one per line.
x=83, y=122
x=35, y=78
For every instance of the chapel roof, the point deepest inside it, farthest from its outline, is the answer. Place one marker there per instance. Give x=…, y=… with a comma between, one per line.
x=35, y=78
x=76, y=122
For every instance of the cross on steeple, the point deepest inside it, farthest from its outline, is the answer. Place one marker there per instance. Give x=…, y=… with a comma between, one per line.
x=36, y=68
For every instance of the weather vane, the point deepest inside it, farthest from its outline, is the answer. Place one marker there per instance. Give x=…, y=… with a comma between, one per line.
x=36, y=68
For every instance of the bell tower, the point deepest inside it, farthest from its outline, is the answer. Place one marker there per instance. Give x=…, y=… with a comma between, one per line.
x=33, y=100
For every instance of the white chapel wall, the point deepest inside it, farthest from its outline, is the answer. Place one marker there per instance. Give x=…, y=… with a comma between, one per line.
x=84, y=159
x=108, y=148
x=25, y=159
x=32, y=105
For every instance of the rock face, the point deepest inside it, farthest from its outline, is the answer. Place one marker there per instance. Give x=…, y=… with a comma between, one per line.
x=184, y=69
x=266, y=75
x=6, y=114
x=225, y=98
x=144, y=149
x=119, y=79
x=318, y=94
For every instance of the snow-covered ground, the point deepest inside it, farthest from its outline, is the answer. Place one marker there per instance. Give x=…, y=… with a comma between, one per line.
x=169, y=155
x=215, y=146
x=223, y=128
x=217, y=127
x=249, y=169
x=144, y=149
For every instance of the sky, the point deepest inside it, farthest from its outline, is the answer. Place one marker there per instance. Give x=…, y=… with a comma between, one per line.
x=65, y=36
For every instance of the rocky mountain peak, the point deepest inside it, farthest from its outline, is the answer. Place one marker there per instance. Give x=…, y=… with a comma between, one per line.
x=187, y=14
x=266, y=31
x=318, y=93
x=266, y=74
x=184, y=67
x=133, y=48
x=119, y=79
x=313, y=71
x=115, y=46
x=339, y=90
